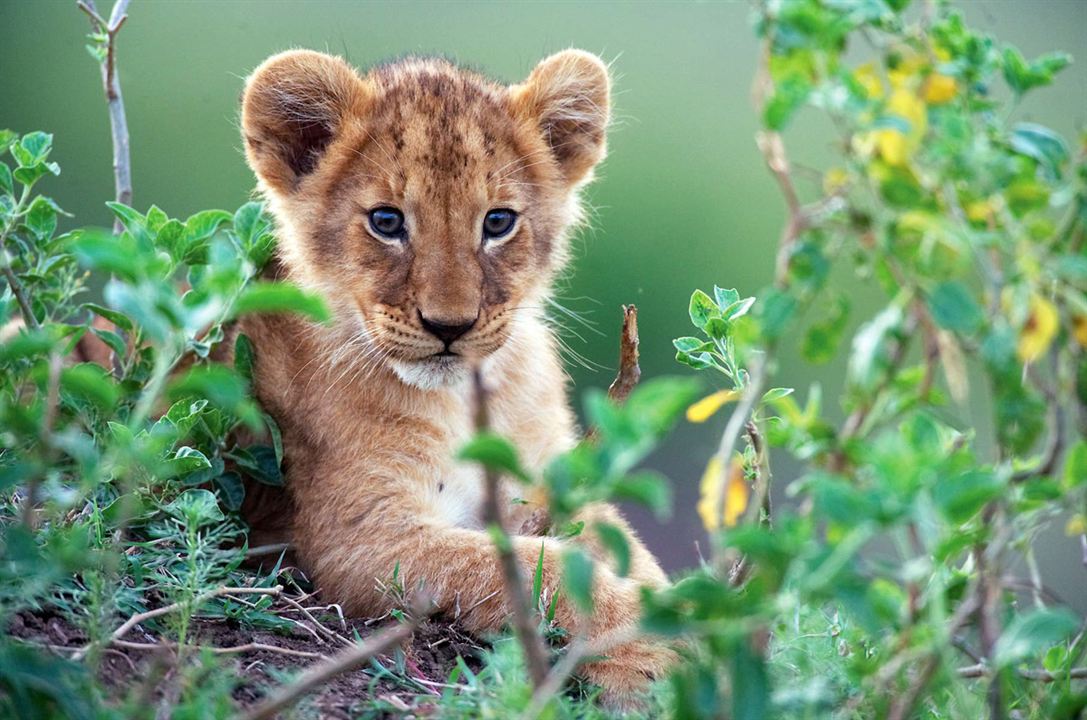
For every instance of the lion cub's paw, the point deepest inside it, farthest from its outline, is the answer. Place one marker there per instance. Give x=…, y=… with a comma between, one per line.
x=626, y=672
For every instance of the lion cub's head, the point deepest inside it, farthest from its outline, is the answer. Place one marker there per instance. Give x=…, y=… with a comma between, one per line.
x=427, y=203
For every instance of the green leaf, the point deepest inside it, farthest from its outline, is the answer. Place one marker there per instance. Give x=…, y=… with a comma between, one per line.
x=701, y=309
x=1022, y=76
x=789, y=95
x=777, y=310
x=725, y=297
x=7, y=137
x=231, y=490
x=92, y=383
x=6, y=183
x=738, y=308
x=872, y=347
x=133, y=221
x=115, y=342
x=222, y=387
x=954, y=308
x=961, y=496
x=687, y=344
x=822, y=339
x=260, y=463
x=118, y=319
x=243, y=356
x=41, y=219
x=203, y=224
x=494, y=452
x=647, y=488
x=1044, y=145
x=1033, y=632
x=577, y=578
x=774, y=394
x=32, y=149
x=615, y=540
x=196, y=508
x=1075, y=465
x=750, y=684
x=279, y=297
x=30, y=175
x=99, y=250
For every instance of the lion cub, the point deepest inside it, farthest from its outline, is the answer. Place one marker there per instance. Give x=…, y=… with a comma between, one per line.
x=430, y=207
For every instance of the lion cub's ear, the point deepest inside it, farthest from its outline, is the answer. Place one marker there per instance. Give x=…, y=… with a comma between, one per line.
x=567, y=95
x=293, y=108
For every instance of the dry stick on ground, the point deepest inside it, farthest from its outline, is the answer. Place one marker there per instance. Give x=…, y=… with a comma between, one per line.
x=517, y=595
x=174, y=607
x=346, y=661
x=233, y=649
x=122, y=163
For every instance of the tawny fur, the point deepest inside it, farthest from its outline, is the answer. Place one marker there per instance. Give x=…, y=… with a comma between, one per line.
x=371, y=419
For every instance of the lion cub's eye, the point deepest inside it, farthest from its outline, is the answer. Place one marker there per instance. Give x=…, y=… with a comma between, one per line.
x=387, y=222
x=498, y=223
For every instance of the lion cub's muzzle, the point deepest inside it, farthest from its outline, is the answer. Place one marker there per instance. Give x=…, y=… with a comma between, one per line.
x=447, y=331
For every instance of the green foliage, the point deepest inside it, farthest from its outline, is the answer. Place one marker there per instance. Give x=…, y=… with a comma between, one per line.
x=122, y=482
x=882, y=586
x=899, y=534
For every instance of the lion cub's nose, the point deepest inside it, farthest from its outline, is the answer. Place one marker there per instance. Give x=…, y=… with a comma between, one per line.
x=446, y=331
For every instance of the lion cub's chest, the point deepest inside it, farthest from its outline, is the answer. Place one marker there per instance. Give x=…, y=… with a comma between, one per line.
x=456, y=493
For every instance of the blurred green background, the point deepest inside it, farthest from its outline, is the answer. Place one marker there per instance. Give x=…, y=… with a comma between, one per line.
x=683, y=201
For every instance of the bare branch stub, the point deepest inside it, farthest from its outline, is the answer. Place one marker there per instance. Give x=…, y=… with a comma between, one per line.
x=629, y=371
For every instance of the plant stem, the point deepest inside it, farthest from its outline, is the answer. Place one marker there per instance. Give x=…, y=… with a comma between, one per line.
x=118, y=122
x=524, y=623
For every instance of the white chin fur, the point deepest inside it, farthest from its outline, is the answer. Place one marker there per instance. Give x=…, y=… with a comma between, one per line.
x=431, y=373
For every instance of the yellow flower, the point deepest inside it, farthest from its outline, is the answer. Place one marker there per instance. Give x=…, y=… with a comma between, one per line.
x=1079, y=329
x=737, y=493
x=906, y=71
x=939, y=89
x=1077, y=525
x=835, y=180
x=1039, y=329
x=892, y=146
x=704, y=409
x=868, y=78
x=896, y=146
x=979, y=211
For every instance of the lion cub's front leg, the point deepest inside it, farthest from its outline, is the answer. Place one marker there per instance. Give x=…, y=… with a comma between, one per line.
x=458, y=567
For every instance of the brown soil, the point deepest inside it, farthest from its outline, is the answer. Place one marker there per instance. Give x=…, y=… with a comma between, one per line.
x=420, y=671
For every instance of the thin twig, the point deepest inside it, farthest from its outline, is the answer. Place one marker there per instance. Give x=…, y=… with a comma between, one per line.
x=21, y=297
x=982, y=670
x=234, y=649
x=576, y=651
x=346, y=661
x=329, y=634
x=174, y=607
x=729, y=438
x=122, y=162
x=524, y=623
x=903, y=704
